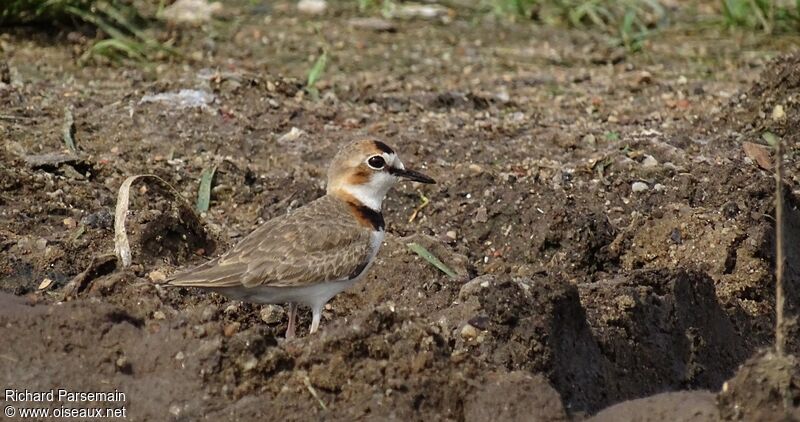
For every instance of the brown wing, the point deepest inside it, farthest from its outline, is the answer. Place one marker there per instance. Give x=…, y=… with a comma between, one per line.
x=318, y=242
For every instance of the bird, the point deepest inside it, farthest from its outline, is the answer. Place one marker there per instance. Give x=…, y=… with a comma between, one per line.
x=312, y=253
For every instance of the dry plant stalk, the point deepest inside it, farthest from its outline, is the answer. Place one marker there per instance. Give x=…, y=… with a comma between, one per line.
x=780, y=335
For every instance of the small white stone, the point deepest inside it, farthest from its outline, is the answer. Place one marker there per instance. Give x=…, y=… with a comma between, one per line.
x=639, y=187
x=659, y=187
x=649, y=161
x=250, y=364
x=451, y=234
x=475, y=168
x=778, y=113
x=312, y=7
x=292, y=135
x=191, y=12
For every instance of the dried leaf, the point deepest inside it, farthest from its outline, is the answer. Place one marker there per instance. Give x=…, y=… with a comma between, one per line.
x=45, y=283
x=759, y=154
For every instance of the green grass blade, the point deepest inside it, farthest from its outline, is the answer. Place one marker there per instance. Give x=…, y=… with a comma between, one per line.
x=316, y=71
x=108, y=48
x=96, y=21
x=204, y=193
x=433, y=260
x=123, y=21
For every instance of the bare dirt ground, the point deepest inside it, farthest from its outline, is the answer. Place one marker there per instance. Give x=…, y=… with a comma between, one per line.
x=612, y=234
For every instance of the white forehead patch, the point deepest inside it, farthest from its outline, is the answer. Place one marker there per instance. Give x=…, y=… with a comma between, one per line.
x=392, y=160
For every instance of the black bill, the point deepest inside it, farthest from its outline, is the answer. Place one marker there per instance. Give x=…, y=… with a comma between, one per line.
x=411, y=175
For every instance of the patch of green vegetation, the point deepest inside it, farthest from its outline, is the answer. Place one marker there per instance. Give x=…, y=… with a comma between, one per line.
x=315, y=73
x=630, y=21
x=611, y=136
x=514, y=7
x=626, y=23
x=769, y=16
x=363, y=5
x=118, y=20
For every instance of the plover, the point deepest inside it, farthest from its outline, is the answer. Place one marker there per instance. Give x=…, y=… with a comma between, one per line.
x=312, y=253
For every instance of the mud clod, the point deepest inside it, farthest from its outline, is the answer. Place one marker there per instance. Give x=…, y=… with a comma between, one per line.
x=765, y=388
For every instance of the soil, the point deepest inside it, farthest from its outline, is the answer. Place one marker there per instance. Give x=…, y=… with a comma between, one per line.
x=611, y=234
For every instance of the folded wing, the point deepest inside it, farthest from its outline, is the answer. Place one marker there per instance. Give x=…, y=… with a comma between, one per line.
x=318, y=242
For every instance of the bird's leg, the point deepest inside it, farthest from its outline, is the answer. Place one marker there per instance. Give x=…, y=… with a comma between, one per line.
x=292, y=318
x=316, y=314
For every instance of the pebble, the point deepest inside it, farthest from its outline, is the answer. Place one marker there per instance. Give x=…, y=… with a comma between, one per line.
x=474, y=286
x=123, y=364
x=69, y=223
x=231, y=329
x=272, y=314
x=451, y=234
x=468, y=332
x=199, y=331
x=639, y=187
x=157, y=276
x=159, y=315
x=502, y=96
x=190, y=12
x=649, y=161
x=292, y=135
x=659, y=187
x=98, y=220
x=250, y=364
x=482, y=215
x=778, y=113
x=643, y=77
x=424, y=11
x=312, y=7
x=374, y=24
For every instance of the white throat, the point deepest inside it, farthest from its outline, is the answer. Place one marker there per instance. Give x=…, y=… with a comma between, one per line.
x=372, y=193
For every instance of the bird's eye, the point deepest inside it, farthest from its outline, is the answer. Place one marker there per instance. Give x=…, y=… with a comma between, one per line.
x=376, y=162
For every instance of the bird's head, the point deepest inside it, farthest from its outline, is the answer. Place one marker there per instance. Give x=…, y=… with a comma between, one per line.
x=366, y=170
